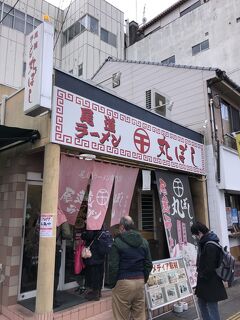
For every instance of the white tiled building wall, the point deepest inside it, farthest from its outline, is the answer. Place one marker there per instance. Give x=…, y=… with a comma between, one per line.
x=86, y=48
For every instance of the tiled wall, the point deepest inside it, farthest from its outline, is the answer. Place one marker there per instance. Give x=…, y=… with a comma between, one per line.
x=14, y=165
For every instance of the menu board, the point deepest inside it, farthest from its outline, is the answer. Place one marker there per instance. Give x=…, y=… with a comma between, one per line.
x=167, y=283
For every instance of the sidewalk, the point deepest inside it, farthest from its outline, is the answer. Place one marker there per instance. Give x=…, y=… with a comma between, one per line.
x=229, y=309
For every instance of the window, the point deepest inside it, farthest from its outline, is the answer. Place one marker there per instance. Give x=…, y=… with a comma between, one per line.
x=230, y=118
x=191, y=8
x=89, y=23
x=18, y=20
x=147, y=211
x=108, y=37
x=200, y=47
x=80, y=69
x=238, y=20
x=8, y=16
x=24, y=68
x=169, y=60
x=85, y=23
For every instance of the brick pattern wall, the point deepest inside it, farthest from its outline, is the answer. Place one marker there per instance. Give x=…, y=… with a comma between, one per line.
x=14, y=165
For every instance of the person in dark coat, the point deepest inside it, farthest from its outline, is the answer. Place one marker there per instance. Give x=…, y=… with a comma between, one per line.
x=129, y=267
x=94, y=266
x=210, y=288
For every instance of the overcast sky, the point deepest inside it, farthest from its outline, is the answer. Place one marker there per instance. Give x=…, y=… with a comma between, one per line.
x=133, y=9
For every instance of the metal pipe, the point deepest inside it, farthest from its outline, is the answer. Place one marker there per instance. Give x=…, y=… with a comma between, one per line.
x=3, y=108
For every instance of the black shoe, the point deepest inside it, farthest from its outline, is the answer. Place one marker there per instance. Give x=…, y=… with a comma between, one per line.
x=92, y=296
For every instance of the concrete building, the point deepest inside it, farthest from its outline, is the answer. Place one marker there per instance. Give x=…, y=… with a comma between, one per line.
x=203, y=99
x=191, y=32
x=86, y=33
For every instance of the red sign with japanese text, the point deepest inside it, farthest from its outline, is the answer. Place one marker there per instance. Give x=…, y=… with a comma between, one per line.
x=99, y=194
x=85, y=124
x=125, y=180
x=74, y=178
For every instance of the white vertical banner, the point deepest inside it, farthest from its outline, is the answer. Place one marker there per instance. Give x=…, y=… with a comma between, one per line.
x=39, y=66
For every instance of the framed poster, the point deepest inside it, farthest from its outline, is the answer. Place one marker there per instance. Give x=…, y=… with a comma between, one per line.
x=167, y=283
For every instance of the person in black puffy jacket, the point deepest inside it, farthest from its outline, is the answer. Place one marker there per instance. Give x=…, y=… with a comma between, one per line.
x=210, y=288
x=94, y=266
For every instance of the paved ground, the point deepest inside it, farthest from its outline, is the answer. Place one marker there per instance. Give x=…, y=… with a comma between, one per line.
x=229, y=309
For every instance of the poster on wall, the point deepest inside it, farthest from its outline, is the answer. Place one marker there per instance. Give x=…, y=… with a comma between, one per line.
x=168, y=282
x=234, y=214
x=178, y=216
x=229, y=216
x=46, y=225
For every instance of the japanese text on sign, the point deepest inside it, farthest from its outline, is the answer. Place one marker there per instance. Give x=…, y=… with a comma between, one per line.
x=85, y=124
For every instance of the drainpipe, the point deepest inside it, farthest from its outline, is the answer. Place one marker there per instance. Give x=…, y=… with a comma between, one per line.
x=216, y=144
x=3, y=108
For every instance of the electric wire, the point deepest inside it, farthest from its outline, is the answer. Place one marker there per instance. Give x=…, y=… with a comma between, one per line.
x=9, y=11
x=62, y=25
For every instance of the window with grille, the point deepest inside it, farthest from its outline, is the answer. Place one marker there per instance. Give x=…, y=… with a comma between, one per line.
x=147, y=206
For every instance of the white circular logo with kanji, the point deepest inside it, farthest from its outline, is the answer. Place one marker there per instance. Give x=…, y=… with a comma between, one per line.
x=102, y=197
x=141, y=140
x=178, y=187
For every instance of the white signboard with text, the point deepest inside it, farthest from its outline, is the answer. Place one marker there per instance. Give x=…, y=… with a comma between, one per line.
x=39, y=69
x=85, y=124
x=168, y=282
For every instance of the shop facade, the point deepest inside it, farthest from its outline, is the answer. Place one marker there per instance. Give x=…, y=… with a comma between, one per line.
x=85, y=123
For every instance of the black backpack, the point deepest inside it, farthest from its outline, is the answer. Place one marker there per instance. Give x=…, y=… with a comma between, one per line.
x=105, y=241
x=225, y=270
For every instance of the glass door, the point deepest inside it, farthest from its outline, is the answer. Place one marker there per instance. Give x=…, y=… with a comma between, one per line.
x=67, y=278
x=29, y=265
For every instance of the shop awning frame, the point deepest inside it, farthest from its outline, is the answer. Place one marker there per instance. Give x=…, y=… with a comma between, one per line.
x=12, y=136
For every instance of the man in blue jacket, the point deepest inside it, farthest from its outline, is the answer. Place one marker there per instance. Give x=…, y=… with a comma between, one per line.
x=129, y=268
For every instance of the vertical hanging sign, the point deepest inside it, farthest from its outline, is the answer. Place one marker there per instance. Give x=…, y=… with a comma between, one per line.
x=39, y=66
x=178, y=216
x=125, y=180
x=99, y=194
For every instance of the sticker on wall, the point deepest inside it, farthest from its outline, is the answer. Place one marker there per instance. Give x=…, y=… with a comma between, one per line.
x=46, y=226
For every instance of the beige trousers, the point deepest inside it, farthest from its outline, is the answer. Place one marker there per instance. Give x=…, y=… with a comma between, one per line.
x=128, y=300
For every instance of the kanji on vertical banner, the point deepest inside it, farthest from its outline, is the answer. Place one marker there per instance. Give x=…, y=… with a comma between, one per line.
x=74, y=177
x=178, y=216
x=99, y=194
x=125, y=180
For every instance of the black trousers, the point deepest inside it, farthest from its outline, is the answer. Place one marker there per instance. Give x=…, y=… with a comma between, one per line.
x=94, y=276
x=57, y=270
